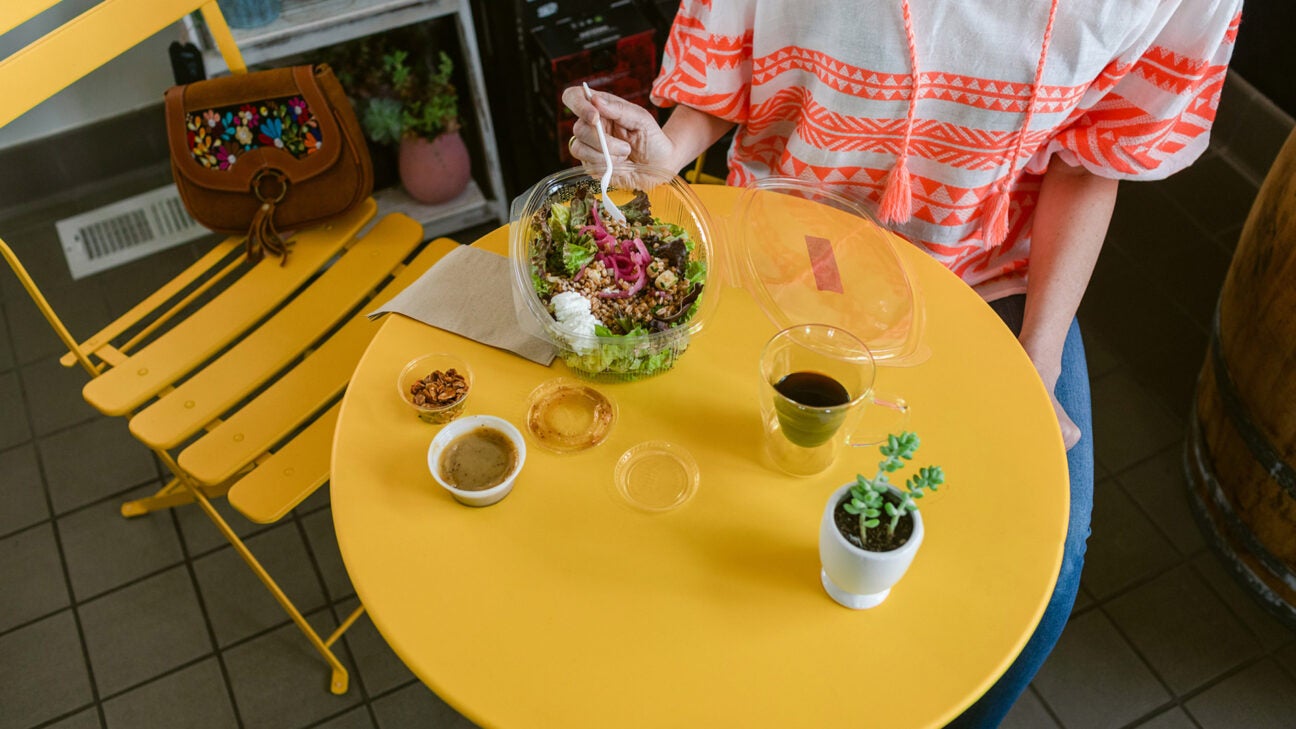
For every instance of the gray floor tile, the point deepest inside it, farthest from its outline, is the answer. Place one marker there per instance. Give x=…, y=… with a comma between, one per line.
x=1129, y=424
x=1227, y=240
x=88, y=719
x=1260, y=697
x=82, y=308
x=32, y=576
x=7, y=359
x=357, y=718
x=54, y=395
x=1173, y=718
x=194, y=697
x=22, y=489
x=314, y=502
x=1124, y=546
x=280, y=682
x=238, y=604
x=1029, y=713
x=36, y=243
x=1182, y=629
x=377, y=665
x=1212, y=192
x=1287, y=657
x=144, y=630
x=1176, y=253
x=13, y=426
x=323, y=544
x=103, y=549
x=1094, y=679
x=1265, y=627
x=92, y=461
x=43, y=671
x=416, y=707
x=1136, y=320
x=1159, y=486
x=1259, y=140
x=127, y=285
x=1098, y=354
x=1083, y=601
x=200, y=533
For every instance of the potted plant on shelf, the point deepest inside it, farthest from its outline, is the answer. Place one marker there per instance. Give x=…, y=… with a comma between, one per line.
x=422, y=116
x=409, y=105
x=871, y=529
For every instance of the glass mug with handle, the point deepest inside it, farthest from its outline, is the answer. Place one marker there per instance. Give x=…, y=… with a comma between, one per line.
x=817, y=384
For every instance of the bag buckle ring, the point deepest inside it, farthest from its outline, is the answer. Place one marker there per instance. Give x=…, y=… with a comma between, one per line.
x=269, y=174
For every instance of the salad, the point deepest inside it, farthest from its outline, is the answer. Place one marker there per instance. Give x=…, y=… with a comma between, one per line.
x=609, y=285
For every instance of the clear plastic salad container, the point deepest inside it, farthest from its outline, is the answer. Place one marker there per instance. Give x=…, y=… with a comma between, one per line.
x=659, y=271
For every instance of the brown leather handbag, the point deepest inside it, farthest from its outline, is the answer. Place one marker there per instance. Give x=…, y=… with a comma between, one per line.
x=253, y=154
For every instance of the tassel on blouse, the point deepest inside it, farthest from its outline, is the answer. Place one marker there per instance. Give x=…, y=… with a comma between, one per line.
x=994, y=221
x=994, y=226
x=897, y=197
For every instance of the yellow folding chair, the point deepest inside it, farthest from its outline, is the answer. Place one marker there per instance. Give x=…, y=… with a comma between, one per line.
x=232, y=371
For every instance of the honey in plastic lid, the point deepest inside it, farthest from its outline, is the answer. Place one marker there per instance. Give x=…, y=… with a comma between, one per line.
x=656, y=476
x=567, y=416
x=810, y=255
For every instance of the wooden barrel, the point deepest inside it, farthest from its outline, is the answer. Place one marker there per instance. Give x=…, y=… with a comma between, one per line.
x=1241, y=448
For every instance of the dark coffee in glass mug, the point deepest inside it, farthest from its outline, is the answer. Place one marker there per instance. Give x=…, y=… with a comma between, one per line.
x=811, y=414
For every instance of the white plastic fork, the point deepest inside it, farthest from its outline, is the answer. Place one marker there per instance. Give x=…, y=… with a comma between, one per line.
x=610, y=207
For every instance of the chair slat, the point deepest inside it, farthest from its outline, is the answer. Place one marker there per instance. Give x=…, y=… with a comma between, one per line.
x=293, y=473
x=257, y=357
x=292, y=399
x=81, y=45
x=161, y=296
x=14, y=13
x=229, y=314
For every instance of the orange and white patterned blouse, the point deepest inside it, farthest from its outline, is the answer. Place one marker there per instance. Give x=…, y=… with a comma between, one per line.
x=937, y=92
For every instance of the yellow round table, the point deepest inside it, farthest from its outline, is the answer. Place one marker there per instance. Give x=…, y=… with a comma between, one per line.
x=562, y=606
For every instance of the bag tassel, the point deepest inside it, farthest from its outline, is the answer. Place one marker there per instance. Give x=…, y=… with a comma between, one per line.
x=263, y=238
x=994, y=226
x=897, y=199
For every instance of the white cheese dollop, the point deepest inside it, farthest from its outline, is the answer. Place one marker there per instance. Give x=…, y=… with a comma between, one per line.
x=575, y=320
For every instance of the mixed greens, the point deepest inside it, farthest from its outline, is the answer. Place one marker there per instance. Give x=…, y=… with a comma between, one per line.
x=601, y=278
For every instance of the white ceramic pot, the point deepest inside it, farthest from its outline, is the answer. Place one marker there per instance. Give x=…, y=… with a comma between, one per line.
x=858, y=578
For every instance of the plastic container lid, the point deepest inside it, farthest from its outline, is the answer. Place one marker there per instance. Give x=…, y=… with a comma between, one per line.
x=656, y=476
x=566, y=416
x=810, y=255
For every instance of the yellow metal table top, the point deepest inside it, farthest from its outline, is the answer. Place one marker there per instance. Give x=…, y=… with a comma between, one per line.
x=562, y=606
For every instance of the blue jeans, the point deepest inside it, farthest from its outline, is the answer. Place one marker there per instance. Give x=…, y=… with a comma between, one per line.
x=1072, y=391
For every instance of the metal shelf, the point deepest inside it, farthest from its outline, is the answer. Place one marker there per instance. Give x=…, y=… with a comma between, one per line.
x=306, y=25
x=469, y=209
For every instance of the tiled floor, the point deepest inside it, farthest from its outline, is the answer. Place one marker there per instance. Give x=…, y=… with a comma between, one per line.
x=152, y=622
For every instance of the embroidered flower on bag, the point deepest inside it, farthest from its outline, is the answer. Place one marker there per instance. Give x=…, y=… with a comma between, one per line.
x=218, y=137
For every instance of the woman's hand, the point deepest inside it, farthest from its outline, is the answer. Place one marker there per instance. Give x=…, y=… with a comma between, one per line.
x=1070, y=431
x=632, y=133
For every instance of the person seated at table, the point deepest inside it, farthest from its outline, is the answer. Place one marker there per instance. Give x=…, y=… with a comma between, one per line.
x=990, y=134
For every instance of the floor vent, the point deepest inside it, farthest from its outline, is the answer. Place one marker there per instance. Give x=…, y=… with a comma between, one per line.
x=126, y=230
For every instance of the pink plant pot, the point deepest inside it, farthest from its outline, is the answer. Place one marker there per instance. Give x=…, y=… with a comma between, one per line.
x=434, y=171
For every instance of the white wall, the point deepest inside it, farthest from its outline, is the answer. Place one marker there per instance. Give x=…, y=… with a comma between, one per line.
x=134, y=80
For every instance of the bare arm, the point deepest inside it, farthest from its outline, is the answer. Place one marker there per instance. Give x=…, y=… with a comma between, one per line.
x=1071, y=220
x=634, y=135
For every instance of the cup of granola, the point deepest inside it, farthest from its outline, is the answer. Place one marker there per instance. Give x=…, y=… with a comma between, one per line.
x=436, y=386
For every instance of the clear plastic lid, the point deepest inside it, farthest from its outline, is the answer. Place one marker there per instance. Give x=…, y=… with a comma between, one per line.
x=656, y=476
x=810, y=255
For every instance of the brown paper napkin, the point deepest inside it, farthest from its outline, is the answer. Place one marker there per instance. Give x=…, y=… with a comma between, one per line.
x=468, y=292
